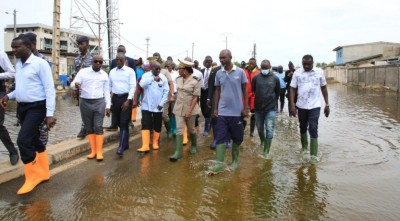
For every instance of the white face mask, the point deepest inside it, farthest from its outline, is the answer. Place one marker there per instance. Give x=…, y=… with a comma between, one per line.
x=265, y=72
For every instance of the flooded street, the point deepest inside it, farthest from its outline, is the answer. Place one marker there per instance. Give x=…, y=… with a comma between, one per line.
x=356, y=179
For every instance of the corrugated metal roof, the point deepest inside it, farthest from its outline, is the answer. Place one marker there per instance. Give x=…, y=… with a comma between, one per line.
x=371, y=43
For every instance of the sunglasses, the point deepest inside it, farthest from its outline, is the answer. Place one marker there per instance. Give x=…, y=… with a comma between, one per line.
x=98, y=61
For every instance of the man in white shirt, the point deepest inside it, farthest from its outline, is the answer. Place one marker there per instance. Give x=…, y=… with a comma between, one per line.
x=7, y=71
x=35, y=95
x=94, y=103
x=205, y=110
x=122, y=85
x=307, y=82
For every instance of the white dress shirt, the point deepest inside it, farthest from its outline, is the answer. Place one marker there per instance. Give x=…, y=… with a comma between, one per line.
x=308, y=84
x=94, y=85
x=154, y=93
x=123, y=81
x=206, y=76
x=5, y=63
x=34, y=82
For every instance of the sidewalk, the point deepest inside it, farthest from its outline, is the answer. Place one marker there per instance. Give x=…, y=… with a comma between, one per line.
x=60, y=152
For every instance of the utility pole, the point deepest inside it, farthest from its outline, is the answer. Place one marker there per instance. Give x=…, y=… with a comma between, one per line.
x=147, y=47
x=254, y=51
x=55, y=56
x=192, y=51
x=15, y=23
x=226, y=41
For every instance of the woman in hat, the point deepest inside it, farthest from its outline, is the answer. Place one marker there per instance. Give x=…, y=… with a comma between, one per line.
x=186, y=107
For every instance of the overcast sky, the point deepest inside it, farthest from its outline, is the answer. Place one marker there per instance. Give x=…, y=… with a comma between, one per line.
x=282, y=30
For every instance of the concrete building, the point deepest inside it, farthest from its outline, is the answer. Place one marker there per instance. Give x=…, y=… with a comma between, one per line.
x=365, y=54
x=69, y=47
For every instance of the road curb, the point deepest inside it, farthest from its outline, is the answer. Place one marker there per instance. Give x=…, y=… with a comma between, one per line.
x=59, y=152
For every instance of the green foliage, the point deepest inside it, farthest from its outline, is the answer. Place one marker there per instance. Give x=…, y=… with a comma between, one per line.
x=324, y=65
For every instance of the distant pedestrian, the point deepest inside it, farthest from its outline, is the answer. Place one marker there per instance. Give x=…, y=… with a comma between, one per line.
x=35, y=95
x=186, y=107
x=307, y=82
x=251, y=70
x=205, y=109
x=231, y=90
x=266, y=88
x=94, y=103
x=288, y=79
x=154, y=87
x=122, y=86
x=282, y=91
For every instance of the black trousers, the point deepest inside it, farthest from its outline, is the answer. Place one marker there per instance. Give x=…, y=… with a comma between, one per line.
x=30, y=115
x=121, y=118
x=205, y=110
x=4, y=135
x=151, y=120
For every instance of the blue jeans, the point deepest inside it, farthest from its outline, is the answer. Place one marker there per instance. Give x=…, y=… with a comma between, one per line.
x=266, y=119
x=308, y=119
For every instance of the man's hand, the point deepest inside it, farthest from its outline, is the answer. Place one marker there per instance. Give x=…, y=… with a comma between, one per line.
x=134, y=104
x=215, y=113
x=50, y=122
x=125, y=105
x=171, y=99
x=293, y=110
x=245, y=112
x=108, y=112
x=326, y=111
x=157, y=78
x=77, y=85
x=3, y=102
x=159, y=107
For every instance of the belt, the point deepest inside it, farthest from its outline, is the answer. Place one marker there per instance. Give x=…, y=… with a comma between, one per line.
x=28, y=103
x=121, y=95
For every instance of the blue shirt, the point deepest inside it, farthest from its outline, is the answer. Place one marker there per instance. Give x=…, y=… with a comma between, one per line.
x=139, y=73
x=231, y=97
x=86, y=63
x=34, y=82
x=123, y=81
x=154, y=93
x=281, y=77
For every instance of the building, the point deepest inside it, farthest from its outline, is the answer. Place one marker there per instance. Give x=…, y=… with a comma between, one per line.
x=44, y=43
x=366, y=54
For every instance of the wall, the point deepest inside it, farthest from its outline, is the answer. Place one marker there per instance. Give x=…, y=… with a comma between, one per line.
x=387, y=76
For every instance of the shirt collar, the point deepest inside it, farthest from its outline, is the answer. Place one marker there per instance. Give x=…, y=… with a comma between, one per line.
x=29, y=60
x=233, y=69
x=312, y=70
x=123, y=68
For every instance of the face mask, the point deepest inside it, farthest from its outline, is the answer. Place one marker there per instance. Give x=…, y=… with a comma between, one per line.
x=265, y=72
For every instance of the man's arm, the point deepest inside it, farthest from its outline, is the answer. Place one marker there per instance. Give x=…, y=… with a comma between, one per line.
x=5, y=63
x=324, y=91
x=246, y=109
x=216, y=99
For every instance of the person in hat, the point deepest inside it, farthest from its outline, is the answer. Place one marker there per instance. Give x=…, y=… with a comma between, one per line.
x=35, y=95
x=83, y=60
x=230, y=92
x=122, y=86
x=186, y=107
x=94, y=103
x=154, y=90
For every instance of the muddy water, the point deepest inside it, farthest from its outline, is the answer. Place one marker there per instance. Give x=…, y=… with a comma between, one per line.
x=356, y=179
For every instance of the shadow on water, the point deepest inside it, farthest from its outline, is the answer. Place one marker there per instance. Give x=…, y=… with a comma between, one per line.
x=356, y=178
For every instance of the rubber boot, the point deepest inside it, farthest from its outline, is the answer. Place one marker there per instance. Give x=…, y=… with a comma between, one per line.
x=145, y=141
x=33, y=176
x=235, y=157
x=262, y=139
x=43, y=159
x=172, y=124
x=122, y=142
x=314, y=150
x=178, y=149
x=207, y=125
x=304, y=142
x=193, y=139
x=185, y=136
x=99, y=146
x=214, y=143
x=252, y=125
x=267, y=147
x=168, y=128
x=220, y=158
x=134, y=113
x=92, y=143
x=156, y=138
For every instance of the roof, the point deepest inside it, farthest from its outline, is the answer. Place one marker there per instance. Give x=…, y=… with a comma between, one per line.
x=371, y=43
x=365, y=59
x=40, y=25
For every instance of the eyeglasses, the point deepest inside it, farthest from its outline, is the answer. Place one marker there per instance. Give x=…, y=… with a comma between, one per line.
x=98, y=61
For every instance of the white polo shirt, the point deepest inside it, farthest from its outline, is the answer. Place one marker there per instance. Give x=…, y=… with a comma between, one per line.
x=308, y=84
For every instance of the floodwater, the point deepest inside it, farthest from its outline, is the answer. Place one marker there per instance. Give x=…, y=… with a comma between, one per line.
x=356, y=179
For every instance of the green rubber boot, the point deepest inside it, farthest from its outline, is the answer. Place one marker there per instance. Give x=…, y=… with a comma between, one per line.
x=220, y=158
x=267, y=147
x=168, y=128
x=235, y=156
x=178, y=149
x=262, y=139
x=314, y=150
x=193, y=139
x=304, y=142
